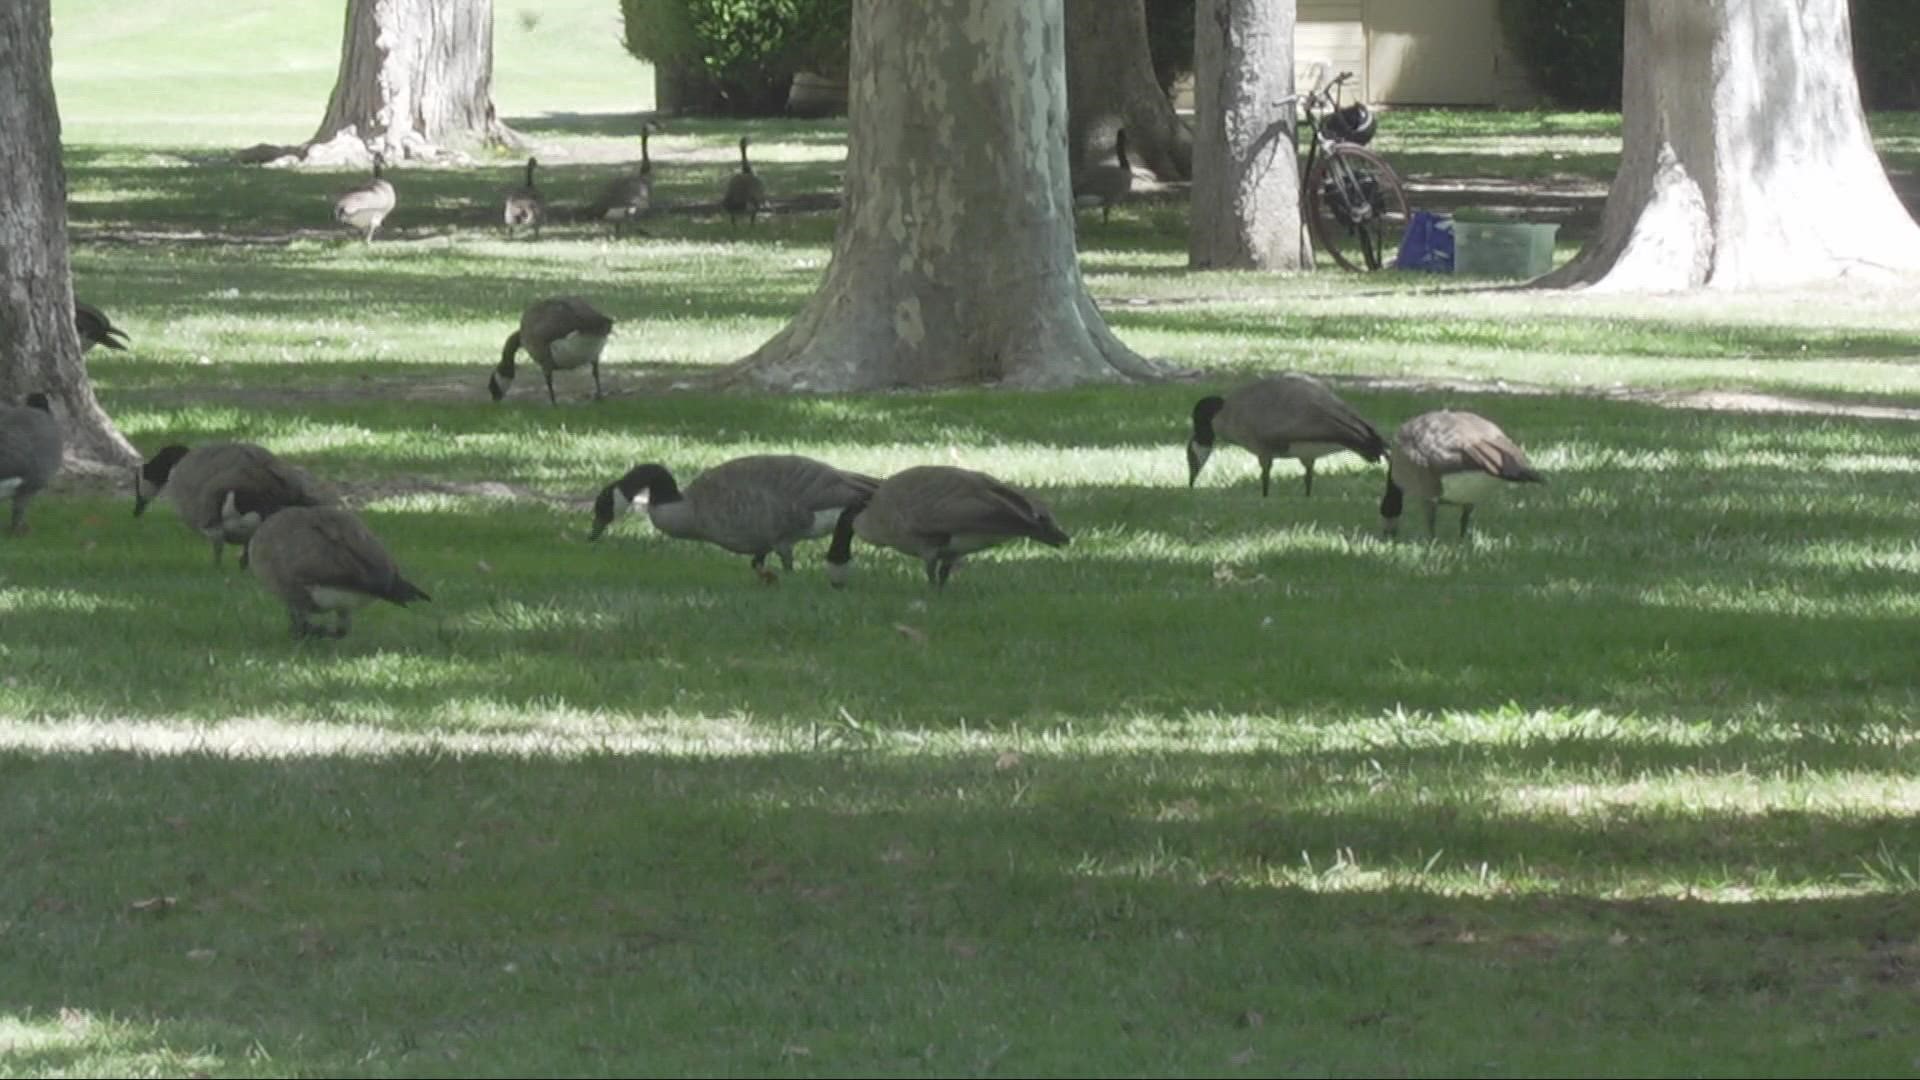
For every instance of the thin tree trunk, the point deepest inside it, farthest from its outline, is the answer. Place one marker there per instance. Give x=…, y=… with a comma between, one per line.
x=1111, y=85
x=1746, y=160
x=954, y=261
x=39, y=350
x=415, y=82
x=1246, y=179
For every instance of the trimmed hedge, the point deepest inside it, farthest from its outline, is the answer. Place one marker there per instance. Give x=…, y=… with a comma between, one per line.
x=1574, y=50
x=1170, y=40
x=1886, y=52
x=747, y=50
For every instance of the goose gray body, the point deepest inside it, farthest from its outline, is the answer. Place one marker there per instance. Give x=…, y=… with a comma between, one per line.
x=1289, y=415
x=939, y=514
x=561, y=333
x=526, y=207
x=225, y=491
x=627, y=198
x=94, y=328
x=30, y=447
x=366, y=205
x=1105, y=185
x=1458, y=458
x=321, y=559
x=745, y=193
x=758, y=505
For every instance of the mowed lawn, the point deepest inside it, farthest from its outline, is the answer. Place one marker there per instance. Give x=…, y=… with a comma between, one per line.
x=1626, y=783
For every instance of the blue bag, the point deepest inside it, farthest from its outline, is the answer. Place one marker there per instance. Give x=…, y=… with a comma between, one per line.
x=1428, y=243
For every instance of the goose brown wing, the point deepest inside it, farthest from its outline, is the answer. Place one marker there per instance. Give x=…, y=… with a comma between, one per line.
x=962, y=502
x=1299, y=408
x=341, y=552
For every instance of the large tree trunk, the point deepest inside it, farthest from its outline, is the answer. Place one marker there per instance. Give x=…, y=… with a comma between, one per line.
x=415, y=81
x=1111, y=85
x=1246, y=173
x=954, y=260
x=1746, y=160
x=38, y=347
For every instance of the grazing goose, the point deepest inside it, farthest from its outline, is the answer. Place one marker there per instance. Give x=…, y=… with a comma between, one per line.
x=1289, y=415
x=757, y=505
x=223, y=491
x=939, y=514
x=525, y=205
x=1458, y=458
x=746, y=193
x=322, y=559
x=30, y=448
x=1104, y=185
x=95, y=328
x=561, y=333
x=365, y=206
x=626, y=198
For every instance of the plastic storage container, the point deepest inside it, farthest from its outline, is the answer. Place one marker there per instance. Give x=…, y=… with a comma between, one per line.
x=1502, y=249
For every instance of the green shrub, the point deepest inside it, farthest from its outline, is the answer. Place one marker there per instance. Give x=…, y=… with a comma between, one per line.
x=1886, y=52
x=1573, y=48
x=1170, y=40
x=746, y=50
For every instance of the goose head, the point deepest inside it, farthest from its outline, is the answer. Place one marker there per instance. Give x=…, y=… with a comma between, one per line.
x=150, y=478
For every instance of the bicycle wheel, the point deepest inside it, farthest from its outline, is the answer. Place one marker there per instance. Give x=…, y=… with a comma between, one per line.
x=1355, y=208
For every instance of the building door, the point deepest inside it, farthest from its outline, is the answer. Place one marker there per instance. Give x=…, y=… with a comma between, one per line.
x=1432, y=52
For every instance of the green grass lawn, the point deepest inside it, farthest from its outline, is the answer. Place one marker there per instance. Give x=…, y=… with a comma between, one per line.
x=1624, y=784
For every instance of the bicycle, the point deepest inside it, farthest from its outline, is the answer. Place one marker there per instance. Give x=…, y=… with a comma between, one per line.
x=1351, y=200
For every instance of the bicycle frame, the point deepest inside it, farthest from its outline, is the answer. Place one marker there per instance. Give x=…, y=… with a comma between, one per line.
x=1348, y=196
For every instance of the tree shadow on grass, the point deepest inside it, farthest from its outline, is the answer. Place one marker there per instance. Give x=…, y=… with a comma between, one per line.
x=1174, y=911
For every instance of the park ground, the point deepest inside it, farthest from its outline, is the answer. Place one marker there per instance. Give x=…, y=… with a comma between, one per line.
x=1624, y=784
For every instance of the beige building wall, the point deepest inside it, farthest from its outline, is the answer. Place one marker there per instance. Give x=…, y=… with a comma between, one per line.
x=1407, y=52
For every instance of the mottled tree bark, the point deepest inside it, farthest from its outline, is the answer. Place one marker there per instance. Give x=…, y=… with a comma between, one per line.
x=1746, y=161
x=1246, y=174
x=39, y=350
x=1111, y=85
x=954, y=261
x=416, y=80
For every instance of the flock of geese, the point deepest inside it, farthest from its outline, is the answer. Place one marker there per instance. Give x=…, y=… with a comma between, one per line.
x=321, y=560
x=622, y=201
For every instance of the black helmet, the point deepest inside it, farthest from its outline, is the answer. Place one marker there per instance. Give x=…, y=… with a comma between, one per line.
x=1352, y=124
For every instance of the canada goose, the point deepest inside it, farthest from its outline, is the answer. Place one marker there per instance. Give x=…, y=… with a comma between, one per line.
x=627, y=197
x=94, y=328
x=757, y=505
x=560, y=333
x=322, y=559
x=30, y=446
x=223, y=491
x=746, y=193
x=1104, y=185
x=365, y=206
x=939, y=514
x=1288, y=415
x=525, y=205
x=1458, y=458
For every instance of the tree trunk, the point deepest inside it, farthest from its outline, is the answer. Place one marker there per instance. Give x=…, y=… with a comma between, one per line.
x=1111, y=85
x=954, y=259
x=39, y=350
x=1746, y=161
x=416, y=78
x=1246, y=173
